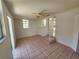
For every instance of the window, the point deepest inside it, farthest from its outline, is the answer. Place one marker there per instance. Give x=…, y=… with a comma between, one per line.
x=25, y=23
x=44, y=22
x=1, y=32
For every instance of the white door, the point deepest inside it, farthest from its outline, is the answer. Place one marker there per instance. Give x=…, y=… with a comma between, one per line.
x=12, y=33
x=76, y=32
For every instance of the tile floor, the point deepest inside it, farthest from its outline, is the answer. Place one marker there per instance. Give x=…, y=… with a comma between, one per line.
x=38, y=47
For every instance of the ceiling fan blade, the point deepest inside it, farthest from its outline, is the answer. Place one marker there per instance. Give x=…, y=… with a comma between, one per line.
x=43, y=11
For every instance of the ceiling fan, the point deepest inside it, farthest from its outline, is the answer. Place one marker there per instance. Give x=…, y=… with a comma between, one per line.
x=43, y=13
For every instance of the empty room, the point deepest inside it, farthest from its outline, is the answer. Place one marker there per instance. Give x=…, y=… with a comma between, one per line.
x=39, y=29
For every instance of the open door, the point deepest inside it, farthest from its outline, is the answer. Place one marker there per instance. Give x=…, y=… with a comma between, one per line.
x=78, y=45
x=12, y=33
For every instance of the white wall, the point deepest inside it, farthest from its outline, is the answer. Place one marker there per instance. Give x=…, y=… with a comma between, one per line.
x=65, y=27
x=42, y=30
x=5, y=46
x=35, y=28
x=21, y=32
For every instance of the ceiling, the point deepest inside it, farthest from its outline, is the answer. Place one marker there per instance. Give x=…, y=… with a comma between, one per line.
x=26, y=8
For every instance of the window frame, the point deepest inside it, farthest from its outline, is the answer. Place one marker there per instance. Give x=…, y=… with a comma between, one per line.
x=25, y=23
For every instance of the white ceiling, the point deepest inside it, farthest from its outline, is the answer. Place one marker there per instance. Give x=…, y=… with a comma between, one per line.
x=25, y=8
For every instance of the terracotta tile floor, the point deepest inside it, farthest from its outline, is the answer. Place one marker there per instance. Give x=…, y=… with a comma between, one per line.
x=37, y=47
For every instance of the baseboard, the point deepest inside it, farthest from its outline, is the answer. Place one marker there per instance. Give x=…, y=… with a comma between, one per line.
x=65, y=45
x=28, y=36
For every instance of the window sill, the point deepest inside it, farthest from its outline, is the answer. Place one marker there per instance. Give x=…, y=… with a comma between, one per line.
x=2, y=40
